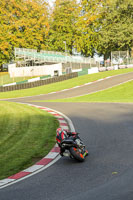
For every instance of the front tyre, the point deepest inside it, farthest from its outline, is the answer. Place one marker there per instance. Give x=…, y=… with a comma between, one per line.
x=77, y=154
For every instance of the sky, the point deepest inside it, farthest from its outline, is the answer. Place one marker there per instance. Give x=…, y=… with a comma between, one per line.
x=51, y=2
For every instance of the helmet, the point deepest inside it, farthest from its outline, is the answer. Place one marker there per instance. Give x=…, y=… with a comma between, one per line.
x=60, y=135
x=59, y=130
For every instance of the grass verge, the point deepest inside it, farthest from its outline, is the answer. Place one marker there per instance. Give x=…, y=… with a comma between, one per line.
x=122, y=93
x=26, y=135
x=62, y=85
x=5, y=78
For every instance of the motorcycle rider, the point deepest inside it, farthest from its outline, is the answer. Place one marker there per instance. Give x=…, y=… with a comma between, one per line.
x=63, y=134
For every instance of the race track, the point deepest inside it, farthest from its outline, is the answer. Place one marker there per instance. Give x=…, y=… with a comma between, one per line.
x=107, y=173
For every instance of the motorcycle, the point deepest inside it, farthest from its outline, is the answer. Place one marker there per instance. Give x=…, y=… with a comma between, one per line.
x=73, y=147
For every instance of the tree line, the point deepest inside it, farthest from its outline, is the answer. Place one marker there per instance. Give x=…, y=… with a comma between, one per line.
x=87, y=26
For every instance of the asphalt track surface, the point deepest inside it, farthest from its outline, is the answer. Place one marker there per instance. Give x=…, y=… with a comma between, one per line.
x=107, y=173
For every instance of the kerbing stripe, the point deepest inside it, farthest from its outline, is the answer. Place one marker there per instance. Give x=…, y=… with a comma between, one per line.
x=63, y=124
x=65, y=127
x=44, y=161
x=33, y=168
x=19, y=175
x=59, y=117
x=55, y=149
x=62, y=121
x=52, y=155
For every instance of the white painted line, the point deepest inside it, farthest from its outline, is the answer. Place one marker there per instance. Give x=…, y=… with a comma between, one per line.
x=88, y=83
x=108, y=77
x=52, y=93
x=45, y=109
x=33, y=168
x=52, y=155
x=51, y=112
x=5, y=181
x=76, y=87
x=99, y=80
x=64, y=90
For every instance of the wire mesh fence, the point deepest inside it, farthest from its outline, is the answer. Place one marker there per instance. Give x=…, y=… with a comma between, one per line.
x=121, y=58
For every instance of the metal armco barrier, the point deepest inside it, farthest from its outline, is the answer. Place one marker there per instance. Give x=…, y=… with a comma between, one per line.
x=38, y=83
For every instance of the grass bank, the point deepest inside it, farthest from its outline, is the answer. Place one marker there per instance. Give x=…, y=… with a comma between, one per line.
x=26, y=135
x=122, y=93
x=62, y=85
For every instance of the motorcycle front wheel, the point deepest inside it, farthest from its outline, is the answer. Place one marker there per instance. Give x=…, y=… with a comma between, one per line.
x=77, y=154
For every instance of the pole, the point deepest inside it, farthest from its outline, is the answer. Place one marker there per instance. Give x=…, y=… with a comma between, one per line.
x=65, y=49
x=65, y=45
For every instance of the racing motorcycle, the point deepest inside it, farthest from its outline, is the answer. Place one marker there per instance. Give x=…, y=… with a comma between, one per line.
x=73, y=147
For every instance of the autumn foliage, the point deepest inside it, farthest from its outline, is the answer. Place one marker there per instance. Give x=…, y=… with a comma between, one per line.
x=92, y=26
x=23, y=23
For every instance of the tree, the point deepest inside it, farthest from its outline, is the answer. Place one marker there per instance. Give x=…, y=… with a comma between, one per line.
x=104, y=26
x=87, y=26
x=116, y=27
x=62, y=25
x=23, y=23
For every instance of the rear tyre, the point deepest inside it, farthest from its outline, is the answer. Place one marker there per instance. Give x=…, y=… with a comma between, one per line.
x=77, y=154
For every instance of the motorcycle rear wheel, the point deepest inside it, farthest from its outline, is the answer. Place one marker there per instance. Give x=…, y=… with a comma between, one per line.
x=77, y=154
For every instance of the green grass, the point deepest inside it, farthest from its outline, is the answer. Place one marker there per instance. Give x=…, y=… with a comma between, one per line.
x=62, y=85
x=121, y=93
x=26, y=135
x=5, y=78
